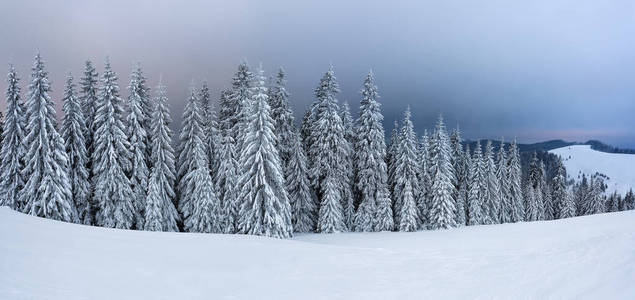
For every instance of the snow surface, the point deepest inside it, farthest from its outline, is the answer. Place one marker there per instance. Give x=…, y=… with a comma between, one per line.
x=584, y=257
x=581, y=159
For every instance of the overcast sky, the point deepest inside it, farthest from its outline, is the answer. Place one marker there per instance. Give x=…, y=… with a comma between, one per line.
x=534, y=70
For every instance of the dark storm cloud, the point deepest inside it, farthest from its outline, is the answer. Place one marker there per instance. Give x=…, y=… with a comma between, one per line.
x=529, y=69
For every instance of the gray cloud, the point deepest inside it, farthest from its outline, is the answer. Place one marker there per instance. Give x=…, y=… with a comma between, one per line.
x=529, y=69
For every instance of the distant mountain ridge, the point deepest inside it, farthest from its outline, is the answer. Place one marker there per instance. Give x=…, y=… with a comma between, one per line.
x=555, y=144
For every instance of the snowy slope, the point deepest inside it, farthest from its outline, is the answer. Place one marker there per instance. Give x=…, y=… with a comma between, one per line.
x=586, y=257
x=620, y=168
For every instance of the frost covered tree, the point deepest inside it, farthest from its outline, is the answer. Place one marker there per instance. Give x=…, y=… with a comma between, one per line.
x=465, y=188
x=88, y=97
x=111, y=158
x=442, y=208
x=327, y=152
x=349, y=176
x=595, y=201
x=547, y=202
x=493, y=200
x=233, y=112
x=425, y=182
x=73, y=129
x=371, y=176
x=460, y=176
x=160, y=199
x=192, y=133
x=515, y=184
x=211, y=131
x=46, y=192
x=202, y=209
x=502, y=175
x=227, y=184
x=284, y=122
x=301, y=197
x=533, y=192
x=612, y=203
x=391, y=151
x=137, y=133
x=265, y=208
x=629, y=200
x=561, y=198
x=13, y=150
x=476, y=201
x=406, y=179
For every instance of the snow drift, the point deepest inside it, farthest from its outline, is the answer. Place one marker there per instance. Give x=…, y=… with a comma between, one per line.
x=584, y=257
x=581, y=159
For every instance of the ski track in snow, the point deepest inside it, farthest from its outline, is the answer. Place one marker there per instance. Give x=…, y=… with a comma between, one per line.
x=588, y=257
x=617, y=166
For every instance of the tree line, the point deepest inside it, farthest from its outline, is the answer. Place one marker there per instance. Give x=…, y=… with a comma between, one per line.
x=247, y=168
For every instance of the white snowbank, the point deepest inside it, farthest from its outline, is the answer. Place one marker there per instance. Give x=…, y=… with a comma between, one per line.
x=620, y=168
x=585, y=257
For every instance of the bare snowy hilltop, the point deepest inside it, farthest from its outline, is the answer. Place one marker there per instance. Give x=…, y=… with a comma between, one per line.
x=582, y=257
x=618, y=167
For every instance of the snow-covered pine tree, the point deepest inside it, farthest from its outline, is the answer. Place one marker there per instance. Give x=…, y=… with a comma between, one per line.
x=465, y=188
x=301, y=197
x=543, y=191
x=561, y=198
x=581, y=194
x=241, y=94
x=265, y=208
x=46, y=192
x=227, y=183
x=406, y=179
x=493, y=200
x=111, y=157
x=13, y=150
x=211, y=130
x=595, y=203
x=442, y=208
x=612, y=203
x=391, y=151
x=73, y=129
x=147, y=107
x=505, y=208
x=533, y=193
x=162, y=175
x=202, y=209
x=477, y=188
x=629, y=200
x=515, y=184
x=138, y=138
x=88, y=97
x=347, y=180
x=460, y=178
x=371, y=176
x=327, y=152
x=284, y=122
x=425, y=181
x=547, y=202
x=191, y=134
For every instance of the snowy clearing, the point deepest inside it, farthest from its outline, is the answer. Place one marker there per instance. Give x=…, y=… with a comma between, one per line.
x=584, y=257
x=618, y=167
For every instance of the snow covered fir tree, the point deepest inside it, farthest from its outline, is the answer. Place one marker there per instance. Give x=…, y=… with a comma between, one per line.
x=250, y=168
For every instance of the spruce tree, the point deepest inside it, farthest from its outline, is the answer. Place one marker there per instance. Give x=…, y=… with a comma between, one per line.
x=265, y=208
x=406, y=179
x=202, y=209
x=88, y=97
x=502, y=175
x=460, y=177
x=284, y=122
x=493, y=185
x=477, y=188
x=327, y=152
x=612, y=203
x=301, y=198
x=211, y=131
x=629, y=200
x=442, y=207
x=349, y=175
x=143, y=92
x=111, y=158
x=227, y=183
x=561, y=199
x=136, y=120
x=160, y=198
x=425, y=181
x=73, y=129
x=391, y=152
x=465, y=192
x=515, y=184
x=235, y=115
x=547, y=202
x=533, y=192
x=46, y=192
x=371, y=176
x=595, y=202
x=13, y=149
